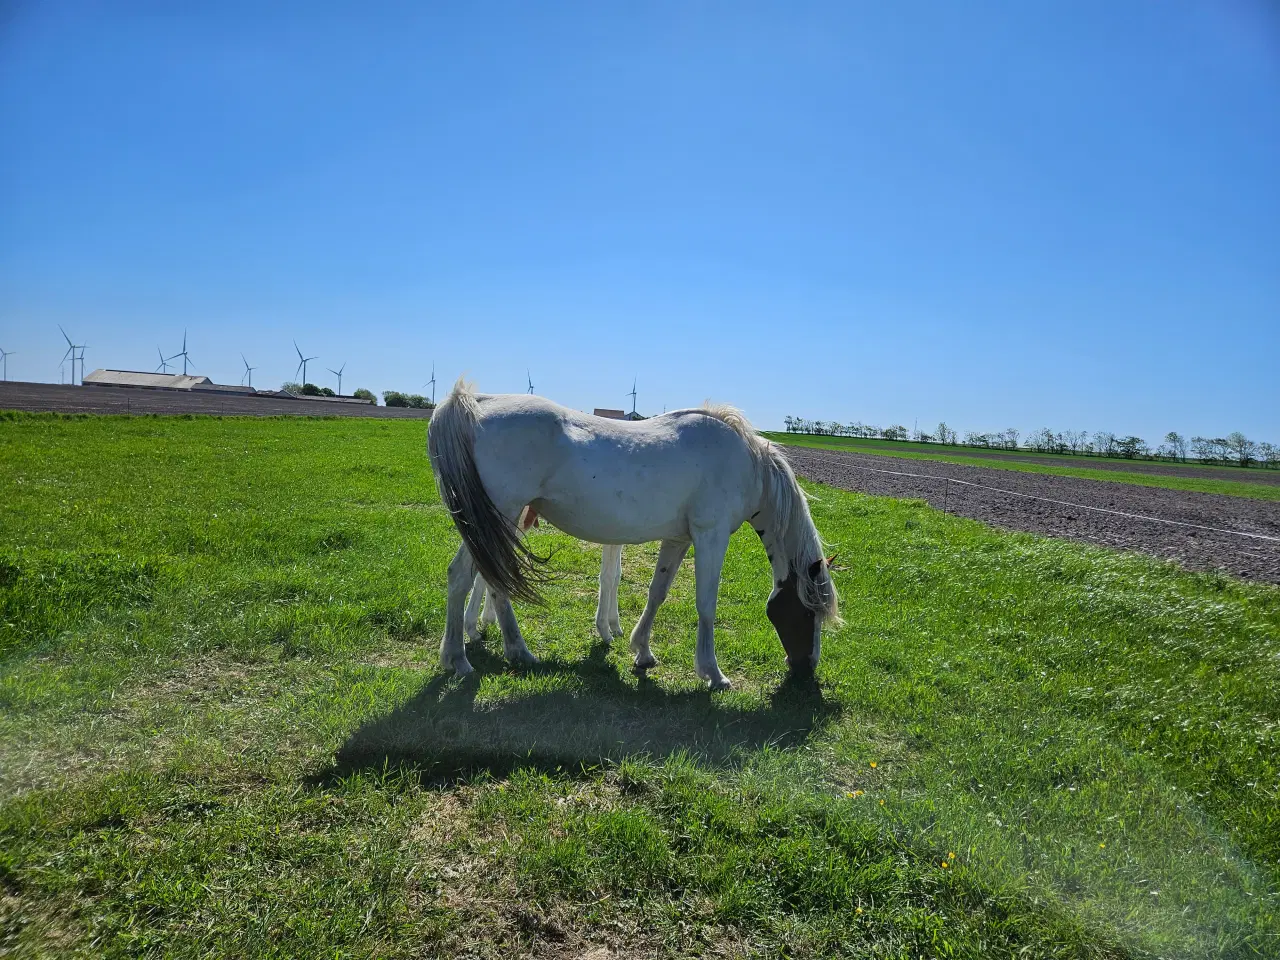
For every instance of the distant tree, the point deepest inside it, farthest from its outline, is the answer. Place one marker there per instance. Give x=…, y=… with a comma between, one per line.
x=394, y=398
x=1269, y=454
x=361, y=393
x=1104, y=443
x=790, y=423
x=1009, y=439
x=944, y=434
x=311, y=390
x=1042, y=441
x=1131, y=447
x=1174, y=446
x=1075, y=439
x=419, y=402
x=896, y=432
x=327, y=392
x=1241, y=448
x=972, y=439
x=290, y=387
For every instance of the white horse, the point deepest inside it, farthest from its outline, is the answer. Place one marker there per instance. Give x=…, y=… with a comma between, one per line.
x=686, y=477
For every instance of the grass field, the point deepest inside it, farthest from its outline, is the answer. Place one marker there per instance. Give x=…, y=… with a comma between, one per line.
x=222, y=732
x=1234, y=482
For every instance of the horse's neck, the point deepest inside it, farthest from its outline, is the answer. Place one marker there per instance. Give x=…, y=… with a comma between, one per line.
x=775, y=543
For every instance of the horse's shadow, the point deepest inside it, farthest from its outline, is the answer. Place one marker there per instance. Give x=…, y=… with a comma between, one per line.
x=579, y=714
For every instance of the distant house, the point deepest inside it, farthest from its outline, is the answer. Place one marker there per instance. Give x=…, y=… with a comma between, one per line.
x=139, y=380
x=616, y=414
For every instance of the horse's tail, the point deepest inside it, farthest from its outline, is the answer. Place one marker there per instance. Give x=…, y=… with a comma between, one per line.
x=500, y=554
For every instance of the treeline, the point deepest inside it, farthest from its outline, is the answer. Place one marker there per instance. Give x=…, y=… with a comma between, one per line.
x=1235, y=448
x=394, y=398
x=311, y=390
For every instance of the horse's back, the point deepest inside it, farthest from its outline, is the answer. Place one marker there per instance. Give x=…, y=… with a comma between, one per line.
x=614, y=480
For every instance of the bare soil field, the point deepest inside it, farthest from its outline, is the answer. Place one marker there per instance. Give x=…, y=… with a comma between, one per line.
x=61, y=398
x=1251, y=475
x=1193, y=548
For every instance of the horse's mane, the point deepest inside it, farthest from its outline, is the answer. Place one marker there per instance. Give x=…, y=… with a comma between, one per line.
x=790, y=508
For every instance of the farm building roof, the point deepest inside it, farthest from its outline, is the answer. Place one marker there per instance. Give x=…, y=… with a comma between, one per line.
x=151, y=381
x=610, y=414
x=140, y=380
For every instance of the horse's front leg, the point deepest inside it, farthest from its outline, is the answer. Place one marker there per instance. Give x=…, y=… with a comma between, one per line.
x=607, y=601
x=453, y=653
x=513, y=645
x=669, y=556
x=708, y=561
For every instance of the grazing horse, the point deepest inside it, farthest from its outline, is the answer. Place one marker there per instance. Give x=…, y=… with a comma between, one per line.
x=686, y=477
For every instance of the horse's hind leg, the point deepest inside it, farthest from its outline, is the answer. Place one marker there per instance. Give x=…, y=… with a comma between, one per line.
x=453, y=653
x=471, y=622
x=607, y=602
x=513, y=645
x=615, y=626
x=669, y=556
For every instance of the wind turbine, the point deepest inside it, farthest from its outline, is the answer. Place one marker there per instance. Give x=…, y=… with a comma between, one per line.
x=4, y=361
x=164, y=361
x=632, y=395
x=71, y=352
x=302, y=363
x=432, y=384
x=248, y=372
x=338, y=373
x=530, y=378
x=182, y=354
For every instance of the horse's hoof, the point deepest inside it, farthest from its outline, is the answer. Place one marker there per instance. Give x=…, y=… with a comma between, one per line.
x=615, y=630
x=523, y=655
x=645, y=661
x=474, y=633
x=720, y=683
x=462, y=667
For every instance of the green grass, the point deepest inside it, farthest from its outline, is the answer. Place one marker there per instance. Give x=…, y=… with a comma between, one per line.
x=1230, y=486
x=222, y=731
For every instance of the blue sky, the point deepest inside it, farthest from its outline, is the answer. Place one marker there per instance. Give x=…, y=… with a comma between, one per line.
x=1013, y=214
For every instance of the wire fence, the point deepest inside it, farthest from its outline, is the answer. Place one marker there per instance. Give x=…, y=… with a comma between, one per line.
x=1062, y=503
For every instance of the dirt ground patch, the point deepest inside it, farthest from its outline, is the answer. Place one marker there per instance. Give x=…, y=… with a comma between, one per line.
x=61, y=398
x=1252, y=475
x=1195, y=549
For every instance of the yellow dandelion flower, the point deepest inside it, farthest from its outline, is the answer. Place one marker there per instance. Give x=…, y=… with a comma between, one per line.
x=951, y=856
x=1102, y=846
x=873, y=764
x=848, y=793
x=882, y=803
x=944, y=864
x=857, y=793
x=859, y=910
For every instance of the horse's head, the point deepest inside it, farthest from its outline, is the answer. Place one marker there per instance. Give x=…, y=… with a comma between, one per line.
x=799, y=628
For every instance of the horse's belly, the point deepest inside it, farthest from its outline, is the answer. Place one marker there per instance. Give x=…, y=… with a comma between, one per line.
x=614, y=519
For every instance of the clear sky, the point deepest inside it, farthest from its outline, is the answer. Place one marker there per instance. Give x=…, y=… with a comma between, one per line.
x=1014, y=214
